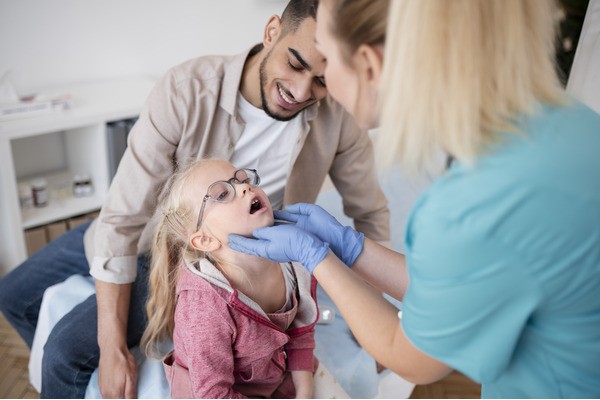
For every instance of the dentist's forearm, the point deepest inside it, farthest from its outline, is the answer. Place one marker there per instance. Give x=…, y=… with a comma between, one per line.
x=383, y=268
x=375, y=324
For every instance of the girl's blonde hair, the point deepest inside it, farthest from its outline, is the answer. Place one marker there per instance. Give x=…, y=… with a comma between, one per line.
x=456, y=72
x=170, y=248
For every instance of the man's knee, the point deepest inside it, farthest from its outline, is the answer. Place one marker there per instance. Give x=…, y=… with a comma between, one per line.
x=68, y=350
x=74, y=336
x=56, y=353
x=66, y=368
x=11, y=292
x=4, y=295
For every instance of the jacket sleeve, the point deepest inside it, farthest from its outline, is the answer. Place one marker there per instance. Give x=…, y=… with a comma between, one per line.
x=300, y=351
x=354, y=175
x=131, y=200
x=206, y=337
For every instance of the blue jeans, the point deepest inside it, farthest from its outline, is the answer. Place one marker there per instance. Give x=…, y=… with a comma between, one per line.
x=71, y=353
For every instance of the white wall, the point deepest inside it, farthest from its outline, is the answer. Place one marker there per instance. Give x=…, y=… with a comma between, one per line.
x=48, y=43
x=584, y=79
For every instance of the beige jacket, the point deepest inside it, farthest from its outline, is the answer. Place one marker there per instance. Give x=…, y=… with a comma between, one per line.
x=191, y=113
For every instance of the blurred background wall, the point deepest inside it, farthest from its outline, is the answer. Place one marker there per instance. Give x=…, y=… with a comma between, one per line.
x=49, y=43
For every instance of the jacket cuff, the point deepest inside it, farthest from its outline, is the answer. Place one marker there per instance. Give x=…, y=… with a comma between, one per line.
x=301, y=360
x=119, y=270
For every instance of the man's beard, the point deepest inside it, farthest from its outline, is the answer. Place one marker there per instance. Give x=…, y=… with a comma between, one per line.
x=263, y=97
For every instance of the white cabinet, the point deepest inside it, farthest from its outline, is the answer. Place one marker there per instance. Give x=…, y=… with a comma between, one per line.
x=57, y=146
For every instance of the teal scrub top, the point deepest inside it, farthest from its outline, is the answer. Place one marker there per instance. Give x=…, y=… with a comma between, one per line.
x=504, y=261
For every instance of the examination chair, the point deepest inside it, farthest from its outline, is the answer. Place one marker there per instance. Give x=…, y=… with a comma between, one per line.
x=336, y=349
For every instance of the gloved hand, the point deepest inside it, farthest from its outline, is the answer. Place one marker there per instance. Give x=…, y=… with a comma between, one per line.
x=283, y=243
x=345, y=242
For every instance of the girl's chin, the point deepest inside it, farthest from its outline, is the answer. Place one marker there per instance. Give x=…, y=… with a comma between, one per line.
x=265, y=225
x=267, y=219
x=258, y=226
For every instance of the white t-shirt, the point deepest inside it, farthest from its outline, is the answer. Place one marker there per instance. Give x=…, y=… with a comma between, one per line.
x=266, y=145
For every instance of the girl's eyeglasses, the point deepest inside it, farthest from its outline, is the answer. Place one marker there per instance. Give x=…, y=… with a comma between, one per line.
x=224, y=191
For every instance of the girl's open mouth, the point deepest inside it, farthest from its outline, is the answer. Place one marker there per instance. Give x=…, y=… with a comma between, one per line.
x=255, y=205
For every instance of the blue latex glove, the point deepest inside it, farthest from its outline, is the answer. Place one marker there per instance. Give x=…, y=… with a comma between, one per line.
x=283, y=243
x=344, y=241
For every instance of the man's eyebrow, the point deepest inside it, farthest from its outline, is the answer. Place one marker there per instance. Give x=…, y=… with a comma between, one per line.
x=300, y=59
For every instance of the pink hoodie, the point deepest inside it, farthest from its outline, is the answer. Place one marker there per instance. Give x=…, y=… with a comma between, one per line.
x=225, y=346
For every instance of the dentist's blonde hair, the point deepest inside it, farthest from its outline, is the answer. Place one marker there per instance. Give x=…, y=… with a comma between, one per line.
x=456, y=72
x=357, y=22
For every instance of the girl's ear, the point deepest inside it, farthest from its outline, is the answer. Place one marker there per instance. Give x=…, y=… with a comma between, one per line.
x=272, y=31
x=369, y=62
x=201, y=242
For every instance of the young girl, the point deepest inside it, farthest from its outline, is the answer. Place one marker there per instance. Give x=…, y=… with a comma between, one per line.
x=241, y=325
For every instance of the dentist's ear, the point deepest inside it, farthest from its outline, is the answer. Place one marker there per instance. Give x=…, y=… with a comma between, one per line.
x=369, y=63
x=204, y=243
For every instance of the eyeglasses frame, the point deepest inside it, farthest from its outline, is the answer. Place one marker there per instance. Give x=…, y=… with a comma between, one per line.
x=229, y=182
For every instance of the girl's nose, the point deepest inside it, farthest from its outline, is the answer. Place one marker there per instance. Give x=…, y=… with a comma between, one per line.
x=245, y=187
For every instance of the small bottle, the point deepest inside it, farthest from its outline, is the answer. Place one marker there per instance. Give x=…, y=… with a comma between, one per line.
x=82, y=186
x=25, y=195
x=39, y=190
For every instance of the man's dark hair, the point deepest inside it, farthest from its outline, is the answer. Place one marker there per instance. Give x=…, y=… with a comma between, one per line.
x=297, y=11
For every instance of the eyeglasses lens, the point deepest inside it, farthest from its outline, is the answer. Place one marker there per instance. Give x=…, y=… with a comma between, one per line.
x=224, y=191
x=248, y=176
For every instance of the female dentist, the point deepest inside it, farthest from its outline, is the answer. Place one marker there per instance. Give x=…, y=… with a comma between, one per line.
x=503, y=251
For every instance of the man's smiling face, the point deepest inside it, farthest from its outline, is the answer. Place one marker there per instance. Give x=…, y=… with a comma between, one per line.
x=291, y=74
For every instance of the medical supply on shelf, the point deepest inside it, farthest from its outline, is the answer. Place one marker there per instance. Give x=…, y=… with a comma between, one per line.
x=25, y=195
x=39, y=189
x=82, y=186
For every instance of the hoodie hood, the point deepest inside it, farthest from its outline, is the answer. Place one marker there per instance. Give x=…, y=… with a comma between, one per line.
x=305, y=286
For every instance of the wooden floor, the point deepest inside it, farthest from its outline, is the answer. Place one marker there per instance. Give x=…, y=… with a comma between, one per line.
x=14, y=376
x=14, y=356
x=454, y=386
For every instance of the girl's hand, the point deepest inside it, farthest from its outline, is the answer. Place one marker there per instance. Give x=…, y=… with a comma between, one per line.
x=304, y=384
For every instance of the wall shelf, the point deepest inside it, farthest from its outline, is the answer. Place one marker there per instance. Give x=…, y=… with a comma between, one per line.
x=57, y=146
x=62, y=204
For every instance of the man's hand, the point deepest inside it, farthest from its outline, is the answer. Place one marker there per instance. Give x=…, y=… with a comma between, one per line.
x=117, y=369
x=117, y=374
